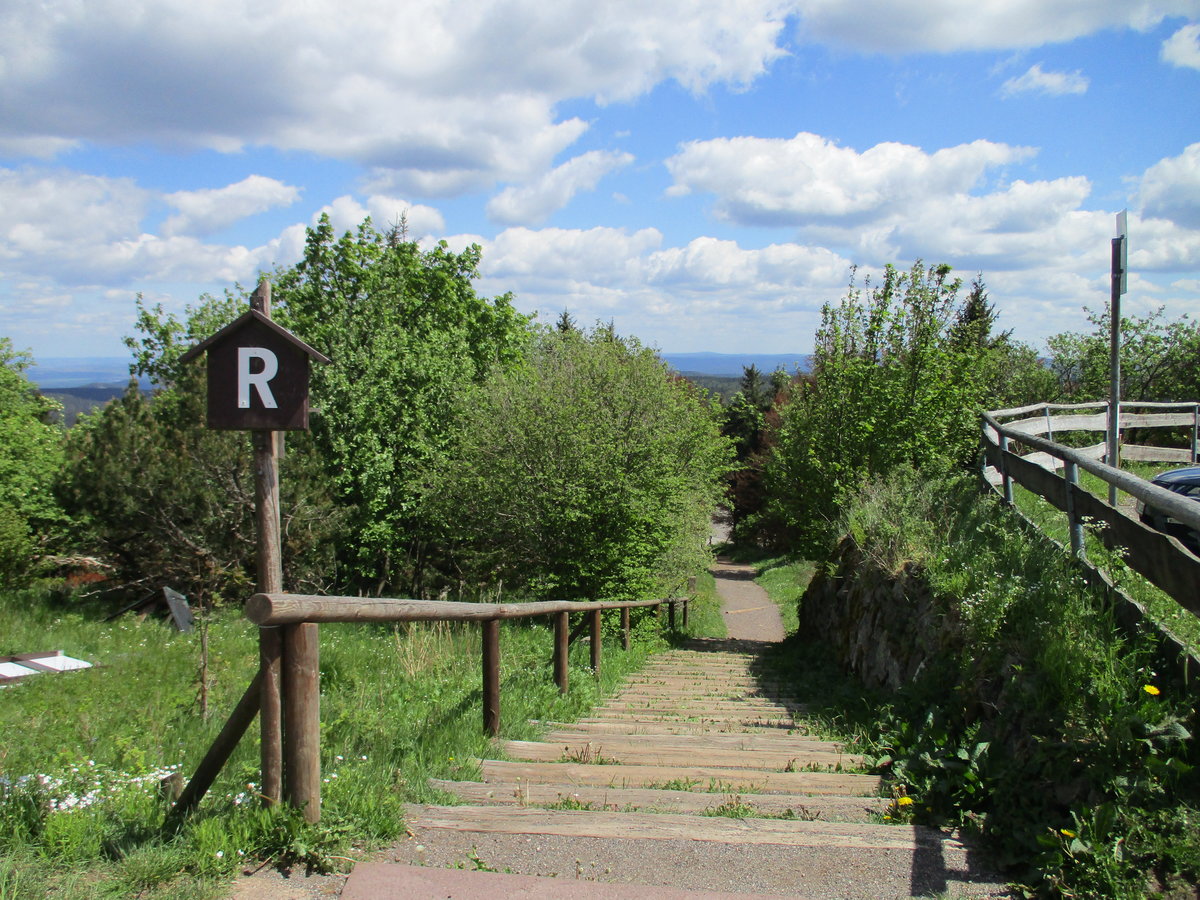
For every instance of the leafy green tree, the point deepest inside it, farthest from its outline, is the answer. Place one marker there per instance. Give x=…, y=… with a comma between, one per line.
x=30, y=456
x=407, y=335
x=1160, y=359
x=588, y=471
x=901, y=370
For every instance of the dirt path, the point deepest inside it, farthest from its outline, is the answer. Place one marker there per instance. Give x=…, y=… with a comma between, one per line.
x=749, y=613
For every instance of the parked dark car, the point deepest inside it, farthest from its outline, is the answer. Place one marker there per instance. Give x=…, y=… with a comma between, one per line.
x=1186, y=483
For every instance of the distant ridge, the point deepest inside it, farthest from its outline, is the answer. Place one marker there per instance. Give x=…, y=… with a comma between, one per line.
x=732, y=364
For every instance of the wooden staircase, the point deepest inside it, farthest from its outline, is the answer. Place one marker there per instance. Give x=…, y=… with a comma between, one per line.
x=699, y=775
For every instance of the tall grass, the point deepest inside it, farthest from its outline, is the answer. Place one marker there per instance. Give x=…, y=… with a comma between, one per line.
x=83, y=753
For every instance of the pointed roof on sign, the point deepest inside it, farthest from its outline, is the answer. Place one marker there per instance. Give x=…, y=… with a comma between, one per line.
x=240, y=322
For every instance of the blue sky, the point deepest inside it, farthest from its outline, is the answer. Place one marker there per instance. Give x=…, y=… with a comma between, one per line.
x=704, y=173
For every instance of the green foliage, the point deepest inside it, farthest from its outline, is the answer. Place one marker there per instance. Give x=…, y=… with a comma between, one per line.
x=1043, y=726
x=586, y=472
x=407, y=335
x=30, y=456
x=1158, y=359
x=171, y=502
x=900, y=372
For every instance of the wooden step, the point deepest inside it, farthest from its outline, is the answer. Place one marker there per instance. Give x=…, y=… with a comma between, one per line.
x=795, y=807
x=725, y=724
x=669, y=826
x=792, y=759
x=754, y=741
x=699, y=777
x=702, y=705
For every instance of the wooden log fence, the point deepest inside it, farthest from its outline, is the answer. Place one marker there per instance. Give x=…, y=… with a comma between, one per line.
x=289, y=658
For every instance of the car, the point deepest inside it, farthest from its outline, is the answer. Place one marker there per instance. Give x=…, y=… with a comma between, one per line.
x=1186, y=483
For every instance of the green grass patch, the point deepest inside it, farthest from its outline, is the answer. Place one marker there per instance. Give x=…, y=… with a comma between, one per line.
x=704, y=616
x=80, y=805
x=785, y=581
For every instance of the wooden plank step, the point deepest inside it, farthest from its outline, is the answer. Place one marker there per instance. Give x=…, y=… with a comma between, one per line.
x=755, y=741
x=669, y=826
x=721, y=723
x=589, y=751
x=705, y=703
x=629, y=725
x=796, y=807
x=701, y=777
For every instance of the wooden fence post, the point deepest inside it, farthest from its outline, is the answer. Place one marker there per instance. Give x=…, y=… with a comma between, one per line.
x=562, y=627
x=596, y=623
x=625, y=628
x=491, y=676
x=671, y=615
x=302, y=718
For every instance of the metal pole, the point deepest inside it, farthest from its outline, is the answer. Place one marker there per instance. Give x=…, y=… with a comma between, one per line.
x=1074, y=525
x=1008, y=488
x=1195, y=431
x=1117, y=280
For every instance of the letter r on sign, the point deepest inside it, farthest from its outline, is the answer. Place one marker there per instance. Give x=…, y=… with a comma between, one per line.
x=259, y=380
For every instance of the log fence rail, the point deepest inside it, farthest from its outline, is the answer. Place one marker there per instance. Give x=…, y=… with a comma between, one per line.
x=288, y=630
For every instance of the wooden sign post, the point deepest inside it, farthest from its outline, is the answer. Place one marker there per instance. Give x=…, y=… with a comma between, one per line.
x=258, y=377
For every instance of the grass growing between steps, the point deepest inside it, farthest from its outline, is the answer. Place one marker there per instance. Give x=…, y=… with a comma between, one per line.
x=704, y=616
x=83, y=752
x=1040, y=725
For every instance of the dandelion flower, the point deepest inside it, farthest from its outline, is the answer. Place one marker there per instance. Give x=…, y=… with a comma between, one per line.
x=904, y=801
x=1066, y=832
x=1151, y=690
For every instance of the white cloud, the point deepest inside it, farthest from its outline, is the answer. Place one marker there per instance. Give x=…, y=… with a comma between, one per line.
x=941, y=26
x=1038, y=81
x=346, y=214
x=809, y=179
x=207, y=211
x=1170, y=189
x=439, y=97
x=72, y=229
x=1183, y=47
x=533, y=203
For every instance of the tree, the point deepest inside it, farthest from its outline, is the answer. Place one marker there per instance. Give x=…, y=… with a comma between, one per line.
x=407, y=335
x=900, y=373
x=586, y=472
x=30, y=456
x=1160, y=359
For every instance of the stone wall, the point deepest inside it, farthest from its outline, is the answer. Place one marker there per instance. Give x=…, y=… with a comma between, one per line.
x=882, y=625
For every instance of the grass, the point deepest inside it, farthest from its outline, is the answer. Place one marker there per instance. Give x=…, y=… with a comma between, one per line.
x=785, y=581
x=1038, y=724
x=81, y=810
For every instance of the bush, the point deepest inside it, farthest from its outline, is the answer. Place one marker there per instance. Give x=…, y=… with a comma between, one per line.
x=587, y=472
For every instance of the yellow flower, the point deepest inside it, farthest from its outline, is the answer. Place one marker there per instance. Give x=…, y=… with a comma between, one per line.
x=1066, y=832
x=1151, y=690
x=904, y=801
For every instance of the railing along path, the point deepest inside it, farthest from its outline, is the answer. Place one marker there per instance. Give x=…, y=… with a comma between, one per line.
x=1161, y=558
x=296, y=615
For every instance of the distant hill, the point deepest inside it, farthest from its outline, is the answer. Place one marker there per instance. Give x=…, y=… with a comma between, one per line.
x=56, y=372
x=732, y=364
x=83, y=399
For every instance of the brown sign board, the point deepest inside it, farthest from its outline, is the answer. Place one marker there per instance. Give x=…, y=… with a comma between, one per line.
x=257, y=376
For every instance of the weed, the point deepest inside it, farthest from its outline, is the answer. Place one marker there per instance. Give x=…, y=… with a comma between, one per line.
x=676, y=784
x=732, y=807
